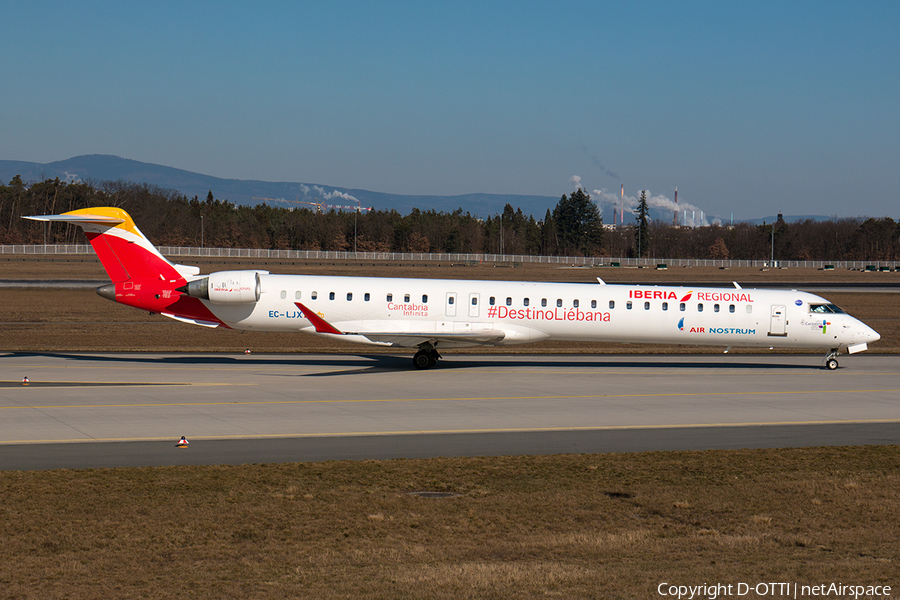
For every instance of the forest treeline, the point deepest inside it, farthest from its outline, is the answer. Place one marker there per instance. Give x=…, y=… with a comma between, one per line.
x=572, y=228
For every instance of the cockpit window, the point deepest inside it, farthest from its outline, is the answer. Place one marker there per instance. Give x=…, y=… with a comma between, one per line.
x=825, y=308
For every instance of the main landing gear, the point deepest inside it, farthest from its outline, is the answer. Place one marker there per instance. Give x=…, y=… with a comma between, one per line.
x=426, y=358
x=831, y=362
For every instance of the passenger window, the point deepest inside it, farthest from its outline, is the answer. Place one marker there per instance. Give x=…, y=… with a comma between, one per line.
x=559, y=302
x=297, y=295
x=699, y=308
x=390, y=298
x=331, y=295
x=731, y=308
x=575, y=303
x=508, y=301
x=628, y=305
x=492, y=301
x=665, y=306
x=314, y=295
x=452, y=300
x=716, y=308
x=349, y=296
x=749, y=308
x=525, y=302
x=283, y=294
x=646, y=306
x=612, y=303
x=543, y=302
x=681, y=307
x=593, y=304
x=406, y=298
x=474, y=301
x=424, y=298
x=367, y=297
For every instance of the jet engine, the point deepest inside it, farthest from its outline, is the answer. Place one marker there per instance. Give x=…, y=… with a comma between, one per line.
x=226, y=287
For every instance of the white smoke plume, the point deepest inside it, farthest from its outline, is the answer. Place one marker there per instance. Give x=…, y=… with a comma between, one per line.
x=320, y=193
x=334, y=194
x=688, y=214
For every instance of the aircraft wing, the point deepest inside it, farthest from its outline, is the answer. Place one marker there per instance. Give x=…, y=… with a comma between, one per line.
x=411, y=339
x=408, y=339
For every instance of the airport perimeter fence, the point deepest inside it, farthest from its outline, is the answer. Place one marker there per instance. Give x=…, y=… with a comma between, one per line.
x=460, y=259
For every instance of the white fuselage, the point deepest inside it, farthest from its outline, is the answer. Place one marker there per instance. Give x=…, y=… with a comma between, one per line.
x=388, y=308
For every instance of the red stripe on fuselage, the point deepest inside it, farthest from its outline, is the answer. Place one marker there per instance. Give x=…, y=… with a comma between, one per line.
x=161, y=297
x=192, y=308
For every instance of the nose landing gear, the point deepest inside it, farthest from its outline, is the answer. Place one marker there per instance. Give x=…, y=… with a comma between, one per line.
x=831, y=362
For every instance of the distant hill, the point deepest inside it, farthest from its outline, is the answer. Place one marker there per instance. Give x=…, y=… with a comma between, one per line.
x=101, y=167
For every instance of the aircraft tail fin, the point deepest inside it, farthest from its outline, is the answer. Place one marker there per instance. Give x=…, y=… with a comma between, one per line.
x=124, y=251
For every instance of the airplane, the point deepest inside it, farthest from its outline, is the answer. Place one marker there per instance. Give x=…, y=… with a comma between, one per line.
x=433, y=314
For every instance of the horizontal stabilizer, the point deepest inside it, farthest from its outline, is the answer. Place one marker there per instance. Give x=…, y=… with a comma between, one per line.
x=99, y=219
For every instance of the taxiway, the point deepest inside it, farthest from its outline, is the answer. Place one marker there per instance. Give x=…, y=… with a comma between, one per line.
x=105, y=410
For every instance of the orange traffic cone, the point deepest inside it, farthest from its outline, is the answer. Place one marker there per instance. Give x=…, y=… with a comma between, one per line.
x=182, y=443
x=25, y=381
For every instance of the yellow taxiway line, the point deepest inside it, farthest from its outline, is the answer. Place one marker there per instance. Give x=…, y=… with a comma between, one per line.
x=445, y=399
x=457, y=431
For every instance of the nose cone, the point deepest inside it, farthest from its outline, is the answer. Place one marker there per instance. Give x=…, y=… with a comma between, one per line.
x=870, y=335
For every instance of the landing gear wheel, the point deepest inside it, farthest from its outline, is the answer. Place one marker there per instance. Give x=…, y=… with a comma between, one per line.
x=831, y=364
x=424, y=359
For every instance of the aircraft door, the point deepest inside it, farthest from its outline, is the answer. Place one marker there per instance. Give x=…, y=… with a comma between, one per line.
x=450, y=304
x=777, y=321
x=474, y=305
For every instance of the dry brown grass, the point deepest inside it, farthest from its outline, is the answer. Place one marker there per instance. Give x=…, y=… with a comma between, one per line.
x=88, y=267
x=55, y=320
x=587, y=526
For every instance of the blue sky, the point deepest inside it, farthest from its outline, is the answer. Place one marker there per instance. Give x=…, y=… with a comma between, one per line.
x=746, y=107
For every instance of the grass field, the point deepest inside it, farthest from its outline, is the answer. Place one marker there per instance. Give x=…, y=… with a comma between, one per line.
x=573, y=526
x=577, y=526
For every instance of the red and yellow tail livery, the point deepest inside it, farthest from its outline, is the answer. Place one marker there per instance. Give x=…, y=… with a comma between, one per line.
x=141, y=276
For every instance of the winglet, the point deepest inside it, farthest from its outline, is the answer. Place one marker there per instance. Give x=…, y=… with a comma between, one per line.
x=321, y=325
x=600, y=281
x=736, y=285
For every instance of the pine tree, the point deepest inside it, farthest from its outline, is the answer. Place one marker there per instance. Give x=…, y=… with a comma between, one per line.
x=642, y=231
x=579, y=225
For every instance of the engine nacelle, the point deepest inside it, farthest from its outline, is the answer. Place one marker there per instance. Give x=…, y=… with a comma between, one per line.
x=226, y=287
